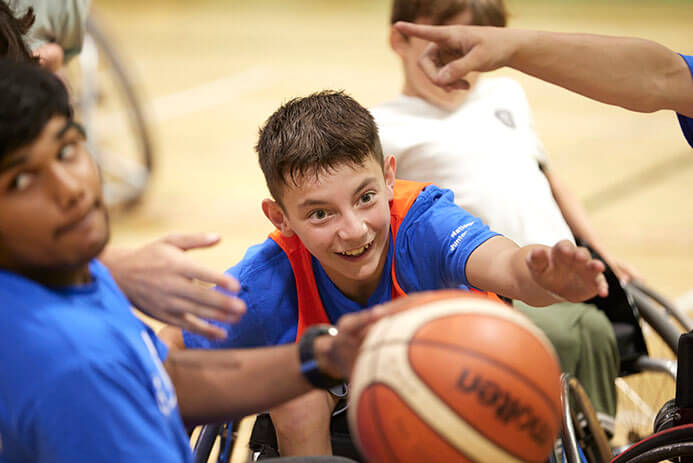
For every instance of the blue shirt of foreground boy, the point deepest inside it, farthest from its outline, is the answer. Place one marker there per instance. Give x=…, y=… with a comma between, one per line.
x=80, y=348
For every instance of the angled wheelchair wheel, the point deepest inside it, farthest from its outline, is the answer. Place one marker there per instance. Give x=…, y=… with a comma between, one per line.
x=642, y=394
x=581, y=433
x=673, y=444
x=106, y=102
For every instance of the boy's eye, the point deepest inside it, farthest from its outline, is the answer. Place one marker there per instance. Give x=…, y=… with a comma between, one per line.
x=67, y=152
x=22, y=181
x=367, y=197
x=318, y=214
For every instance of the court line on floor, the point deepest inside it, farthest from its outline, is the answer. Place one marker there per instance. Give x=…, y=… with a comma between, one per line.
x=639, y=181
x=208, y=95
x=685, y=301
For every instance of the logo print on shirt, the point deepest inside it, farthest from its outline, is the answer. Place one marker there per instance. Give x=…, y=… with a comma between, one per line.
x=506, y=117
x=166, y=398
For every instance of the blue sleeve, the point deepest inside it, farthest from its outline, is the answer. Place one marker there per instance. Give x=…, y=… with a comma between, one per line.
x=105, y=413
x=269, y=291
x=435, y=241
x=687, y=122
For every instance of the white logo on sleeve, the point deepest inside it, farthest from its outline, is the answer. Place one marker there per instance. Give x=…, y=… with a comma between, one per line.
x=166, y=398
x=458, y=235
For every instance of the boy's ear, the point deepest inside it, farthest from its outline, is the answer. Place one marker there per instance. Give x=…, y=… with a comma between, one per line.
x=398, y=41
x=274, y=212
x=390, y=170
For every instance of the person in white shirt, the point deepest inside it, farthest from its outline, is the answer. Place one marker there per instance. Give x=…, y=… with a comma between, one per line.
x=481, y=144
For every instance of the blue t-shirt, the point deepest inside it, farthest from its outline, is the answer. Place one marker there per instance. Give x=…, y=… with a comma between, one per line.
x=82, y=378
x=433, y=244
x=687, y=122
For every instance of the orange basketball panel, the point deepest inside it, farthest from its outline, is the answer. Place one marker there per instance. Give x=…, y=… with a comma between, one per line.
x=501, y=340
x=390, y=432
x=494, y=400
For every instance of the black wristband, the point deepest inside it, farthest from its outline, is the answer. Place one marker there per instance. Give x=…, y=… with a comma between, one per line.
x=306, y=355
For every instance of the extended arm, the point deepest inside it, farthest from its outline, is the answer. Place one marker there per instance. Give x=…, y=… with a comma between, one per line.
x=536, y=274
x=223, y=384
x=636, y=74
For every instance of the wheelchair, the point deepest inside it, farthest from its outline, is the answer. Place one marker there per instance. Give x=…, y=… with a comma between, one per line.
x=644, y=385
x=107, y=102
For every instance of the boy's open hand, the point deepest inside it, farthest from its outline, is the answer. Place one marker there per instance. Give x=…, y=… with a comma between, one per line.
x=568, y=271
x=163, y=281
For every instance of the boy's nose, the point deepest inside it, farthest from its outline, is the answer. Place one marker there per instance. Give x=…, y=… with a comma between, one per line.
x=353, y=227
x=67, y=188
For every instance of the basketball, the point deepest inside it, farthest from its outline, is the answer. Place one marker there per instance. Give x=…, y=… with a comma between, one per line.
x=453, y=377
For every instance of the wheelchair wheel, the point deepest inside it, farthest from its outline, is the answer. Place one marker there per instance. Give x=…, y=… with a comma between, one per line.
x=673, y=444
x=106, y=103
x=214, y=442
x=641, y=395
x=581, y=430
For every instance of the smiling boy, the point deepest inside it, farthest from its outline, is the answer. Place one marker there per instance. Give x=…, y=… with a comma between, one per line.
x=348, y=236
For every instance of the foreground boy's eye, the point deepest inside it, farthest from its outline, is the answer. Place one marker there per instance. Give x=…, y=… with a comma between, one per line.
x=21, y=181
x=67, y=152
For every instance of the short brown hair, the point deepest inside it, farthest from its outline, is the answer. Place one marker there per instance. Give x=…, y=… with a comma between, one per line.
x=484, y=12
x=315, y=134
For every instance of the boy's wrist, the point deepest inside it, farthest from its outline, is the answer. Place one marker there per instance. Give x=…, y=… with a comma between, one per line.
x=314, y=347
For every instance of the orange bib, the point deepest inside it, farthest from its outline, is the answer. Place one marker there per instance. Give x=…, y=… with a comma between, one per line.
x=310, y=308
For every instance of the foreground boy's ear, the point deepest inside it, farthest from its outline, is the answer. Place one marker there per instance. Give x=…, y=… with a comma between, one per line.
x=275, y=214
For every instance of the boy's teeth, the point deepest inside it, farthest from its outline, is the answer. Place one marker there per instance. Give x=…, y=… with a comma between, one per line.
x=356, y=252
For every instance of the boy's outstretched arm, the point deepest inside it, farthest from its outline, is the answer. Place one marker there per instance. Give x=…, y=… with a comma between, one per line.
x=536, y=274
x=218, y=385
x=634, y=73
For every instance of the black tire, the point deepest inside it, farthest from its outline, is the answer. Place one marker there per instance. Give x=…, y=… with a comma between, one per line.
x=665, y=445
x=205, y=442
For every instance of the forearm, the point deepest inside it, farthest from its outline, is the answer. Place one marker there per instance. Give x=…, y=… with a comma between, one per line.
x=219, y=385
x=111, y=257
x=637, y=74
x=500, y=266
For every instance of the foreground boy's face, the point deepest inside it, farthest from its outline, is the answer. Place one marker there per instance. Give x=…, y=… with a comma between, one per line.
x=52, y=218
x=343, y=219
x=415, y=81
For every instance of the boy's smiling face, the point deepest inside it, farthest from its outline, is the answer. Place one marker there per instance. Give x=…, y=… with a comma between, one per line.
x=52, y=217
x=342, y=216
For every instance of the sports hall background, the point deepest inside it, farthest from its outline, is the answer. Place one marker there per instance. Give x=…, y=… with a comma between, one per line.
x=210, y=72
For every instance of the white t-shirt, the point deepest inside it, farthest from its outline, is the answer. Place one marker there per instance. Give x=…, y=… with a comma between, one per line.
x=486, y=152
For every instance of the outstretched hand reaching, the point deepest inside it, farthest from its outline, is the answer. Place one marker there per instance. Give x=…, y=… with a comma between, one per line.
x=567, y=271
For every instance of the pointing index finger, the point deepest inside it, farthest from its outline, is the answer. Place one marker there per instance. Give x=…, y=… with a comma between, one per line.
x=422, y=31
